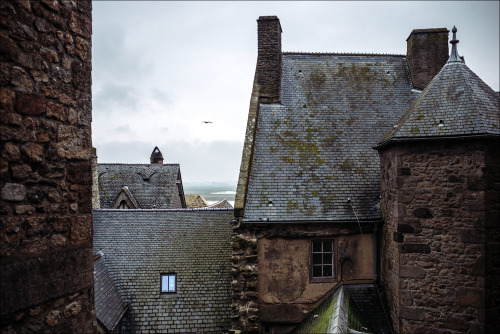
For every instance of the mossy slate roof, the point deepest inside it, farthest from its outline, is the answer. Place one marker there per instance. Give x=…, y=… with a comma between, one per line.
x=458, y=99
x=152, y=185
x=140, y=245
x=313, y=151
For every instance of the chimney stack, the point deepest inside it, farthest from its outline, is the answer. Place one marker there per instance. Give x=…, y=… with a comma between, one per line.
x=426, y=53
x=156, y=156
x=269, y=60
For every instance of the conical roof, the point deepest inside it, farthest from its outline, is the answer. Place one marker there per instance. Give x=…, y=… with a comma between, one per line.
x=455, y=103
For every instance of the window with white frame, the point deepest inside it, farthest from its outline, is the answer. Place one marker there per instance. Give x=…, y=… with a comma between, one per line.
x=168, y=283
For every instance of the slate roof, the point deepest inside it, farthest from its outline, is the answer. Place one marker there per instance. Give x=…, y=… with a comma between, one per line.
x=152, y=185
x=139, y=245
x=195, y=201
x=110, y=306
x=314, y=150
x=351, y=308
x=458, y=99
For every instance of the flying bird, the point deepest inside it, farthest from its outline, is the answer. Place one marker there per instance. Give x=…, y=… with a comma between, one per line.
x=206, y=122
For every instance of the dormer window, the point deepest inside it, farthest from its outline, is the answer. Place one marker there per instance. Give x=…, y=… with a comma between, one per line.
x=168, y=283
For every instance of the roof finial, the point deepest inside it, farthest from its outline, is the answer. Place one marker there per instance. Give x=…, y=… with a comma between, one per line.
x=454, y=53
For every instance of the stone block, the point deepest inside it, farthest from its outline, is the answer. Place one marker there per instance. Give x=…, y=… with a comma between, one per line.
x=412, y=313
x=472, y=297
x=30, y=104
x=412, y=272
x=472, y=236
x=415, y=248
x=398, y=237
x=409, y=226
x=13, y=192
x=424, y=213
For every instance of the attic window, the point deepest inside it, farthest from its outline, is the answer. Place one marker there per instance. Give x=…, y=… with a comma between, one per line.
x=168, y=283
x=322, y=259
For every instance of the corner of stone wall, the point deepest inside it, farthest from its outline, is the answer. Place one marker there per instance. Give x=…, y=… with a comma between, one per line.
x=244, y=285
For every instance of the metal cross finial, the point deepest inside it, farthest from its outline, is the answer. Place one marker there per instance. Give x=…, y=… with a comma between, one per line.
x=454, y=53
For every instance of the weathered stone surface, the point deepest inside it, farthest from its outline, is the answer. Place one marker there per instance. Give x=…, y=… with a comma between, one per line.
x=33, y=152
x=422, y=213
x=30, y=104
x=412, y=272
x=11, y=152
x=72, y=309
x=13, y=192
x=41, y=264
x=81, y=230
x=53, y=318
x=470, y=297
x=413, y=313
x=415, y=248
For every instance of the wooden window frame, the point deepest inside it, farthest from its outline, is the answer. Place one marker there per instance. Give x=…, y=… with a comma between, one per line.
x=322, y=279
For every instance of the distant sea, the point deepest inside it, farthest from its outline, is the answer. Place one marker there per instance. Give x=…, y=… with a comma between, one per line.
x=212, y=191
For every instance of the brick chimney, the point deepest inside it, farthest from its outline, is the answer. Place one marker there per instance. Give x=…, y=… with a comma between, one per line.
x=269, y=60
x=156, y=156
x=426, y=53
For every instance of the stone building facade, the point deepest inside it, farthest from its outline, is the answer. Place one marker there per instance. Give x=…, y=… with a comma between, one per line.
x=439, y=189
x=416, y=223
x=45, y=131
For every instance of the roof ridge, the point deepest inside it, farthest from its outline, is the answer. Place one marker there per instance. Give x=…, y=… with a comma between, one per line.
x=133, y=164
x=341, y=53
x=165, y=210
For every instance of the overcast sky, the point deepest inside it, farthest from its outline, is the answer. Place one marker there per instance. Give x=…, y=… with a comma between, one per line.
x=162, y=68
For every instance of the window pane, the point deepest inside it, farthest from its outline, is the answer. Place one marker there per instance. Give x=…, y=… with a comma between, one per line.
x=317, y=246
x=327, y=270
x=316, y=271
x=317, y=258
x=171, y=283
x=327, y=246
x=164, y=283
x=327, y=258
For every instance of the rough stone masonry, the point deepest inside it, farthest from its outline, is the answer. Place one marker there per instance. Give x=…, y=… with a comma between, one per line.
x=45, y=131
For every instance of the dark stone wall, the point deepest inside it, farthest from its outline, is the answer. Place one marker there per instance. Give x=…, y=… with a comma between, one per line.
x=426, y=53
x=440, y=202
x=269, y=60
x=46, y=196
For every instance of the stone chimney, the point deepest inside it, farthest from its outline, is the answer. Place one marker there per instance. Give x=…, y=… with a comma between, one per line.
x=269, y=60
x=426, y=53
x=156, y=156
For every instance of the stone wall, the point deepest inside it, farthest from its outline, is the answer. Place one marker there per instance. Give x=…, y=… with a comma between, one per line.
x=244, y=271
x=426, y=53
x=45, y=131
x=272, y=287
x=440, y=202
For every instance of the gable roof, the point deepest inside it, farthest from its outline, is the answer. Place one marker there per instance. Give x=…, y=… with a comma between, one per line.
x=152, y=185
x=125, y=195
x=195, y=201
x=110, y=306
x=313, y=150
x=195, y=244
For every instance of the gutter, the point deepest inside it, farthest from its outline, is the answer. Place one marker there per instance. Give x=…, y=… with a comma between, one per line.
x=434, y=138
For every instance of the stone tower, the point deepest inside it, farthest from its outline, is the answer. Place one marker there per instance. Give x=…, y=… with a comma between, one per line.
x=440, y=171
x=46, y=184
